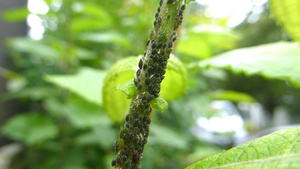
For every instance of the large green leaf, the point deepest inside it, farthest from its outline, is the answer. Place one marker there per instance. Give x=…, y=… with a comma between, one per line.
x=30, y=128
x=115, y=102
x=87, y=83
x=276, y=60
x=280, y=150
x=287, y=13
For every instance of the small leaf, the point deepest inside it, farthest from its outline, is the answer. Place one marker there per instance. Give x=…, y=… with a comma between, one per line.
x=279, y=150
x=188, y=1
x=231, y=96
x=87, y=83
x=275, y=60
x=31, y=128
x=159, y=104
x=16, y=14
x=128, y=88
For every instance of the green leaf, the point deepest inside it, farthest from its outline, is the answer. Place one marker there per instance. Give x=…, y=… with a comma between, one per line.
x=231, y=96
x=102, y=136
x=87, y=83
x=159, y=104
x=188, y=1
x=128, y=88
x=115, y=102
x=84, y=114
x=107, y=37
x=276, y=61
x=34, y=47
x=164, y=136
x=210, y=39
x=31, y=128
x=287, y=13
x=280, y=150
x=16, y=14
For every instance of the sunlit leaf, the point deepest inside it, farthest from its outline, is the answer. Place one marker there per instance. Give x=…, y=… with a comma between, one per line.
x=30, y=128
x=104, y=38
x=33, y=47
x=159, y=104
x=276, y=61
x=115, y=102
x=287, y=13
x=16, y=14
x=280, y=150
x=204, y=41
x=87, y=83
x=128, y=88
x=231, y=96
x=188, y=1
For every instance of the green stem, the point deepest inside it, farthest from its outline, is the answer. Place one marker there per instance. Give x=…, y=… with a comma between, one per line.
x=151, y=69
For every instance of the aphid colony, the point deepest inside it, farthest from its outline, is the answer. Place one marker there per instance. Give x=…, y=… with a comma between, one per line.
x=151, y=69
x=133, y=137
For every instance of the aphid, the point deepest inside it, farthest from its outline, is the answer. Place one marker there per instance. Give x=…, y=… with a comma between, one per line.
x=160, y=2
x=169, y=1
x=140, y=63
x=128, y=164
x=182, y=7
x=147, y=43
x=155, y=23
x=136, y=157
x=135, y=115
x=154, y=51
x=156, y=15
x=113, y=162
x=159, y=45
x=138, y=72
x=169, y=16
x=159, y=21
x=123, y=158
x=153, y=45
x=161, y=37
x=152, y=41
x=147, y=81
x=135, y=81
x=158, y=9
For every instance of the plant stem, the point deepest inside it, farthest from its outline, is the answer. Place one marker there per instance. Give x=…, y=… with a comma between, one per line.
x=151, y=69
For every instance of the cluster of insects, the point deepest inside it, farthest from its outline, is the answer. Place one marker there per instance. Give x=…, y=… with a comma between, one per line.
x=150, y=73
x=133, y=137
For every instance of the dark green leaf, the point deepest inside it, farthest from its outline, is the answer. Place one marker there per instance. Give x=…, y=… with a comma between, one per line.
x=280, y=150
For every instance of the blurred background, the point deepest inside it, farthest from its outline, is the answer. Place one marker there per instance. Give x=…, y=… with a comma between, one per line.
x=48, y=121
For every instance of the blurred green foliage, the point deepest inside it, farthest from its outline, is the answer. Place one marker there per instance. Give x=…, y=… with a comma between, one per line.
x=59, y=79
